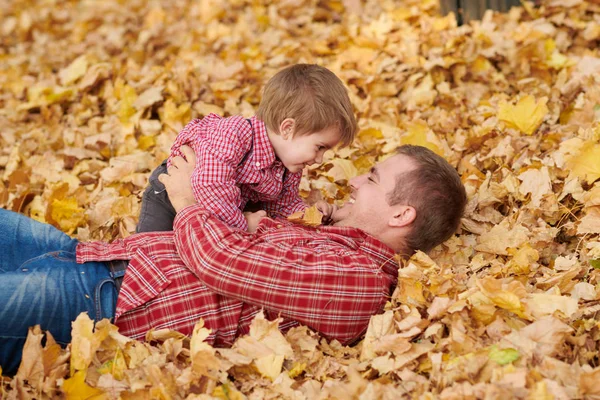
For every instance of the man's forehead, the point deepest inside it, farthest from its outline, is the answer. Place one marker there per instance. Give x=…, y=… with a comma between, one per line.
x=393, y=165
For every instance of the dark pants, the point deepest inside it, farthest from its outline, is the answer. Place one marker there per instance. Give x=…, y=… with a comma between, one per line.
x=157, y=212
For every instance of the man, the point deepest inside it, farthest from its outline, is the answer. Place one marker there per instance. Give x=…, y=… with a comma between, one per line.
x=331, y=279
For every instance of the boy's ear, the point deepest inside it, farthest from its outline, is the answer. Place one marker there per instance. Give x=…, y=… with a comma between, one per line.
x=287, y=128
x=403, y=216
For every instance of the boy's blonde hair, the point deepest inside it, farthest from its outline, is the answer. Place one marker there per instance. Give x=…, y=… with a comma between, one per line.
x=313, y=96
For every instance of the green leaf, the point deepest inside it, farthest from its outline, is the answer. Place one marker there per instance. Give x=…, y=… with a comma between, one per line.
x=503, y=356
x=595, y=263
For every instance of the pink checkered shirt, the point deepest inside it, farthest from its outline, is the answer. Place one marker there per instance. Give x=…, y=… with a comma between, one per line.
x=332, y=279
x=236, y=164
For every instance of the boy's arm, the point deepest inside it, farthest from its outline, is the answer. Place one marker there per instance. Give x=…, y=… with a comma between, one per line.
x=289, y=201
x=213, y=179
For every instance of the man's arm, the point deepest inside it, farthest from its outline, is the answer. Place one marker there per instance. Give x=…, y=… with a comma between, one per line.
x=327, y=286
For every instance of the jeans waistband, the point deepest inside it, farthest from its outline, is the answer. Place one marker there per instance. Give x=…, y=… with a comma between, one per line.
x=117, y=270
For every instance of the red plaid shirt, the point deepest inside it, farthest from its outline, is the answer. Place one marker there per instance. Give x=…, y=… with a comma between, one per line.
x=332, y=279
x=236, y=164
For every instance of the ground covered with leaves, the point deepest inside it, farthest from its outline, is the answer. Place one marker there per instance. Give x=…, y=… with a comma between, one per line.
x=93, y=93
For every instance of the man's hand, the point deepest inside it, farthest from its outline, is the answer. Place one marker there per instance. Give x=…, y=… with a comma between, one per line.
x=253, y=218
x=177, y=179
x=327, y=210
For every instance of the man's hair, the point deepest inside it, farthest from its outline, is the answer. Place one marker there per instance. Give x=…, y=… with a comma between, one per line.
x=313, y=96
x=436, y=192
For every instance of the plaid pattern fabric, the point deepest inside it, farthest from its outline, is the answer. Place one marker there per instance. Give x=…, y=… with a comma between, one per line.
x=330, y=279
x=236, y=164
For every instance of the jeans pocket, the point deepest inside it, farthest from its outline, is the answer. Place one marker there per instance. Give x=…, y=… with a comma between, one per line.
x=62, y=255
x=59, y=255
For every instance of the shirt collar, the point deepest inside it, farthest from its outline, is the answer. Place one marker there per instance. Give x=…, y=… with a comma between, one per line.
x=381, y=253
x=263, y=154
x=377, y=250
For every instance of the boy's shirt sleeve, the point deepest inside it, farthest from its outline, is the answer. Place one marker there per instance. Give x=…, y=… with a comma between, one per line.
x=289, y=200
x=218, y=153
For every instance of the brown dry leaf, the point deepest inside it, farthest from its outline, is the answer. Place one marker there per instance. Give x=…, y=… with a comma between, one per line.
x=202, y=355
x=31, y=369
x=86, y=341
x=311, y=216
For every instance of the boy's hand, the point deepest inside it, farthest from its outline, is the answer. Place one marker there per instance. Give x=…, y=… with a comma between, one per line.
x=177, y=179
x=253, y=218
x=327, y=210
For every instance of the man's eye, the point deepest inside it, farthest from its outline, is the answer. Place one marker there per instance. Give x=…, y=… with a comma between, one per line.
x=371, y=179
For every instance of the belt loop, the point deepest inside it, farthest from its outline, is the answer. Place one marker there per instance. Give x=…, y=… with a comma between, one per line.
x=98, y=297
x=117, y=271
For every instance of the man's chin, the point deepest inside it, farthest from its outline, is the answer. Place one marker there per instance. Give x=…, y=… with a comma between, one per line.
x=341, y=214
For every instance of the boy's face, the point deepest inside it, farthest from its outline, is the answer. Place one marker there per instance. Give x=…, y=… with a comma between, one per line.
x=296, y=152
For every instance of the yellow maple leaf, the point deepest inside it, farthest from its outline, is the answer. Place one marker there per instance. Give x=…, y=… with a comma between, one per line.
x=67, y=214
x=343, y=170
x=506, y=296
x=309, y=217
x=128, y=96
x=146, y=142
x=75, y=388
x=116, y=366
x=369, y=138
x=227, y=392
x=175, y=116
x=296, y=370
x=526, y=116
x=586, y=164
x=418, y=133
x=270, y=365
x=74, y=71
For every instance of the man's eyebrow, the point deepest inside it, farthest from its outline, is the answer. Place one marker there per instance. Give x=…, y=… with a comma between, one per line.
x=375, y=172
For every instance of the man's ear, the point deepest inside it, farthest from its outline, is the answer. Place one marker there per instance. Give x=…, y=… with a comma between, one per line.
x=403, y=216
x=287, y=128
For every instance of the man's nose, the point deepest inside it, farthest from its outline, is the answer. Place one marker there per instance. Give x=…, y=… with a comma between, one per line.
x=357, y=181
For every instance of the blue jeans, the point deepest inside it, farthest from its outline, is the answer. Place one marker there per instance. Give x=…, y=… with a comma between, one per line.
x=41, y=283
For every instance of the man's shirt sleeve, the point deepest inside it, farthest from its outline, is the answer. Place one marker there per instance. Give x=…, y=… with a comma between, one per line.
x=330, y=288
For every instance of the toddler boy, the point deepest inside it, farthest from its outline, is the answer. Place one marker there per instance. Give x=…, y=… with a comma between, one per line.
x=305, y=110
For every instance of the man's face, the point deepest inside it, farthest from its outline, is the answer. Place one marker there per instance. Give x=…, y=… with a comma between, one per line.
x=368, y=208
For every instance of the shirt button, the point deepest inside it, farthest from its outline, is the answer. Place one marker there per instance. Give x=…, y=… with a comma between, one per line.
x=258, y=164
